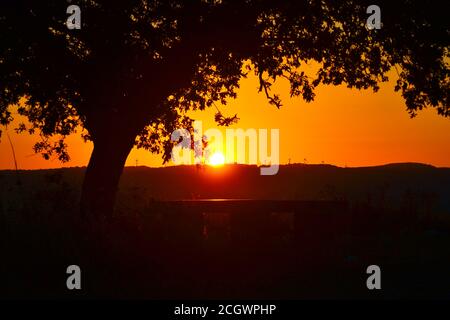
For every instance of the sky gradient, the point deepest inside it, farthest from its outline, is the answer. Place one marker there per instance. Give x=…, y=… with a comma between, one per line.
x=344, y=127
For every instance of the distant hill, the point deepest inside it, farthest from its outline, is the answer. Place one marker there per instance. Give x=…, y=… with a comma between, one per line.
x=388, y=185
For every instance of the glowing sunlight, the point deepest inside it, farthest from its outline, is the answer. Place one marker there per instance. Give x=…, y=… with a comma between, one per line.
x=217, y=159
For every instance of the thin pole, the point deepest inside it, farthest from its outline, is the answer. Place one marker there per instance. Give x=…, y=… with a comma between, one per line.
x=12, y=148
x=14, y=154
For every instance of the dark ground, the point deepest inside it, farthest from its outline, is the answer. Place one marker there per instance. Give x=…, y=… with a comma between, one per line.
x=397, y=217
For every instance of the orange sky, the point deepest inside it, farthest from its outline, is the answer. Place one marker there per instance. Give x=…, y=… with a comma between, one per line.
x=342, y=127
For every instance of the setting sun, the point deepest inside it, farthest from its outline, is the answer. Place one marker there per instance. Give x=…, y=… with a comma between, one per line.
x=217, y=159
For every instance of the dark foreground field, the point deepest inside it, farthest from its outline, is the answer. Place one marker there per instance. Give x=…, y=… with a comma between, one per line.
x=344, y=220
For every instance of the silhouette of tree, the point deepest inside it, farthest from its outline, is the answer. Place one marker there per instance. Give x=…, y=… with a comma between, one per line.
x=134, y=69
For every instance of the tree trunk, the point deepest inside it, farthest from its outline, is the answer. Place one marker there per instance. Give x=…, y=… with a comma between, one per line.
x=103, y=174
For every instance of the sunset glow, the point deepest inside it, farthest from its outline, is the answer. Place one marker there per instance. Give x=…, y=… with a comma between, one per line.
x=342, y=127
x=217, y=159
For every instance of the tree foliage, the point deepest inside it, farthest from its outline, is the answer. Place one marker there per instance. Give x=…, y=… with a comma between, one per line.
x=137, y=67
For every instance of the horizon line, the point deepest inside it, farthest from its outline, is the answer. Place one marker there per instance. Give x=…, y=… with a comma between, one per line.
x=247, y=165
